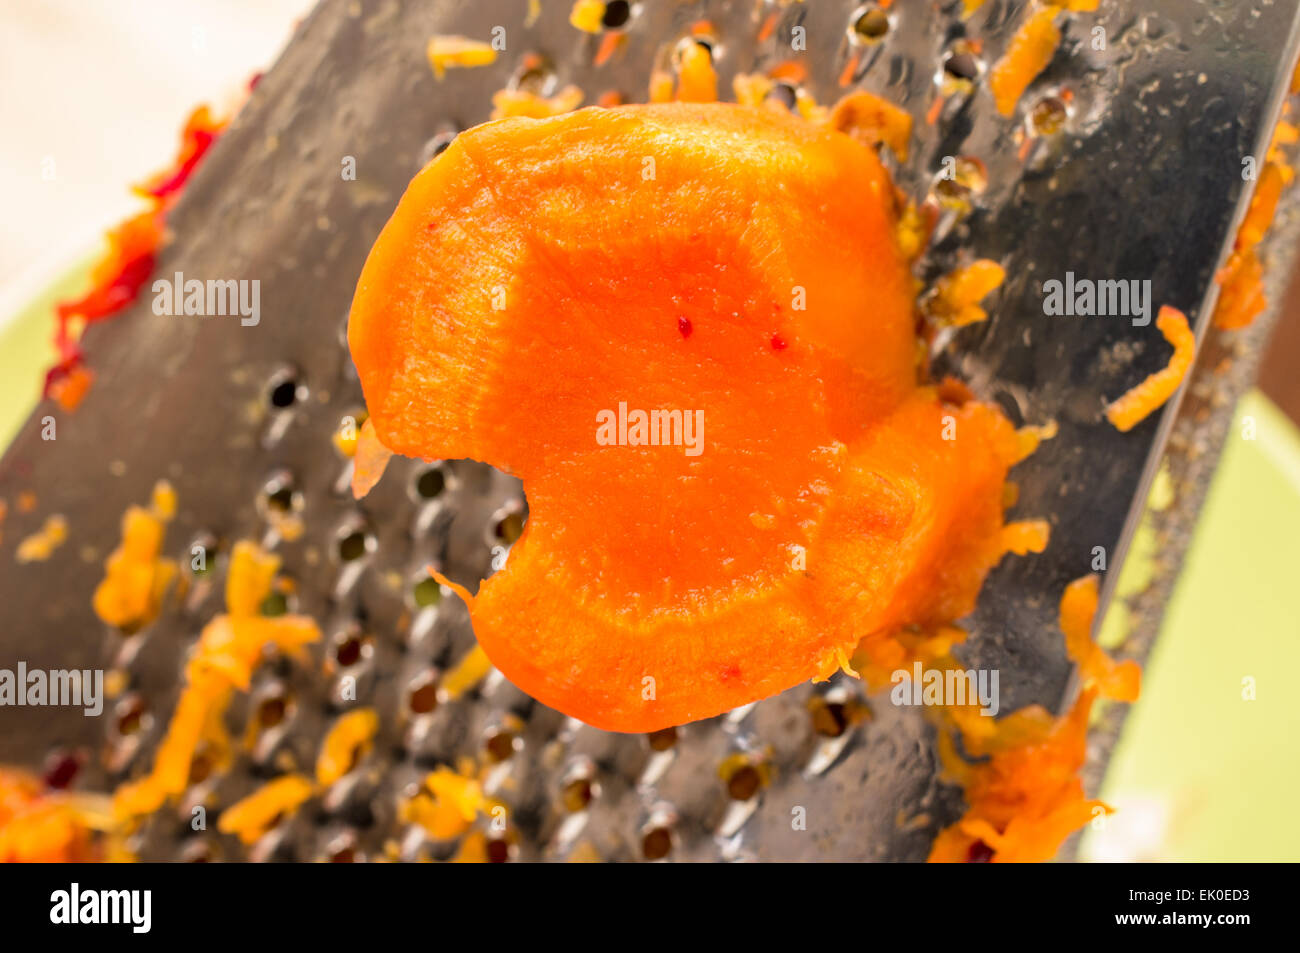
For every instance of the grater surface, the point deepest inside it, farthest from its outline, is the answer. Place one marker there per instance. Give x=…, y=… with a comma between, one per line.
x=1145, y=182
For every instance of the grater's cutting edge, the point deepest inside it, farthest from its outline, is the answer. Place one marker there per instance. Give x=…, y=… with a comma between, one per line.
x=269, y=203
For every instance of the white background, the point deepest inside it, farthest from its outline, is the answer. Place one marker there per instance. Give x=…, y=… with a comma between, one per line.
x=104, y=87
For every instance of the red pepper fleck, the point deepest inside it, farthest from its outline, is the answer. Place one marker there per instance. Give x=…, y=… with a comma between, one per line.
x=61, y=768
x=684, y=325
x=778, y=343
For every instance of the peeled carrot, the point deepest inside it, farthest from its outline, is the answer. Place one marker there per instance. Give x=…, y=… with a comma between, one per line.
x=738, y=267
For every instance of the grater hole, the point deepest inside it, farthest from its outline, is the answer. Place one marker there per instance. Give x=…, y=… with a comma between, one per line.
x=703, y=40
x=436, y=146
x=199, y=852
x=657, y=843
x=663, y=739
x=279, y=496
x=829, y=719
x=961, y=65
x=959, y=184
x=500, y=745
x=343, y=850
x=281, y=599
x=61, y=768
x=870, y=24
x=202, y=765
x=426, y=592
x=744, y=783
x=578, y=794
x=423, y=693
x=783, y=93
x=617, y=13
x=499, y=851
x=353, y=544
x=132, y=715
x=428, y=484
x=535, y=75
x=282, y=391
x=350, y=648
x=1048, y=116
x=507, y=525
x=273, y=710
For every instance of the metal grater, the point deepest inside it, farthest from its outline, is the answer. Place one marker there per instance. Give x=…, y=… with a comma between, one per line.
x=1144, y=181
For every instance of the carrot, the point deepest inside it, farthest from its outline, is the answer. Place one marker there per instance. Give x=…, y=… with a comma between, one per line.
x=1120, y=681
x=445, y=52
x=346, y=742
x=1135, y=406
x=1028, y=54
x=957, y=295
x=735, y=270
x=253, y=816
x=230, y=648
x=873, y=120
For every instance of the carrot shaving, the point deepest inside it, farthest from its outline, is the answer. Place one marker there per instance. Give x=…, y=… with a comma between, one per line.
x=850, y=70
x=446, y=52
x=345, y=745
x=1120, y=681
x=588, y=16
x=229, y=648
x=1027, y=797
x=1028, y=54
x=1030, y=438
x=467, y=673
x=369, y=460
x=41, y=545
x=1241, y=291
x=251, y=817
x=447, y=806
x=1139, y=403
x=454, y=587
x=135, y=575
x=957, y=295
x=661, y=87
x=1027, y=536
x=519, y=102
x=697, y=81
x=41, y=825
x=610, y=44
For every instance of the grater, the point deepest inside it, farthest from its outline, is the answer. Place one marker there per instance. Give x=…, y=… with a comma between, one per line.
x=1142, y=181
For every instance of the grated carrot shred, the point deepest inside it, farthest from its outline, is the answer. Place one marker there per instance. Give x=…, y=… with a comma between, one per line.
x=1120, y=681
x=1139, y=403
x=873, y=121
x=1028, y=54
x=345, y=744
x=251, y=817
x=447, y=52
x=957, y=295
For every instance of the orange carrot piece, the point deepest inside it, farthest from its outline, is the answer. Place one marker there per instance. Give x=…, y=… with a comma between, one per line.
x=773, y=237
x=1028, y=54
x=1139, y=403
